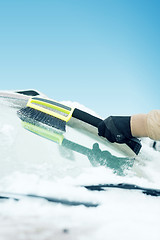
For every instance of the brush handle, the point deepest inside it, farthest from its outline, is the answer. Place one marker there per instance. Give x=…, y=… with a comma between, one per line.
x=86, y=117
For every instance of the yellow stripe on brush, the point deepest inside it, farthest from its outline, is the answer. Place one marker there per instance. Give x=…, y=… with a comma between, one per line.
x=34, y=103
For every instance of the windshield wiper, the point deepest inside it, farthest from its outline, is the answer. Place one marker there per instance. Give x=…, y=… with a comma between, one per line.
x=19, y=196
x=104, y=187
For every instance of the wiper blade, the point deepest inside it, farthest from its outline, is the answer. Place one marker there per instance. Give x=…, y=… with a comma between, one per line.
x=19, y=196
x=103, y=187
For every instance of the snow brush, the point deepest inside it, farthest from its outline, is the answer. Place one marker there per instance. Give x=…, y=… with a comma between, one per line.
x=55, y=115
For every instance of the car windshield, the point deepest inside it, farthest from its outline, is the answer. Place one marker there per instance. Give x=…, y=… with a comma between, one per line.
x=80, y=156
x=72, y=185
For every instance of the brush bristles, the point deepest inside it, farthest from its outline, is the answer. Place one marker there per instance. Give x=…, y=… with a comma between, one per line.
x=31, y=115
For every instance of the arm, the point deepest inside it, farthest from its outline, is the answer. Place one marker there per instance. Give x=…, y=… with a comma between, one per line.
x=146, y=125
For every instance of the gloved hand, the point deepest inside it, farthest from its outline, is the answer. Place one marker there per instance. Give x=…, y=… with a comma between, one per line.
x=115, y=129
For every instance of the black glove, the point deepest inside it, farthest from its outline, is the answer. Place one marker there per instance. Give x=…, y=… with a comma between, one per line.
x=115, y=129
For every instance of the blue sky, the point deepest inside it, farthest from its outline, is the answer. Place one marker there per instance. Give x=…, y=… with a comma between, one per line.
x=104, y=54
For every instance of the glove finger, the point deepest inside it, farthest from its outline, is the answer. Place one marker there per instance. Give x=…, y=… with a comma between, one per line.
x=109, y=135
x=101, y=128
x=105, y=132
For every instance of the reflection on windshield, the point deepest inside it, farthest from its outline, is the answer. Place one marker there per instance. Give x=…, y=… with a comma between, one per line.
x=95, y=155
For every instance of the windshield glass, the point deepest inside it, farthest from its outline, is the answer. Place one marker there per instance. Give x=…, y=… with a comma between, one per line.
x=77, y=153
